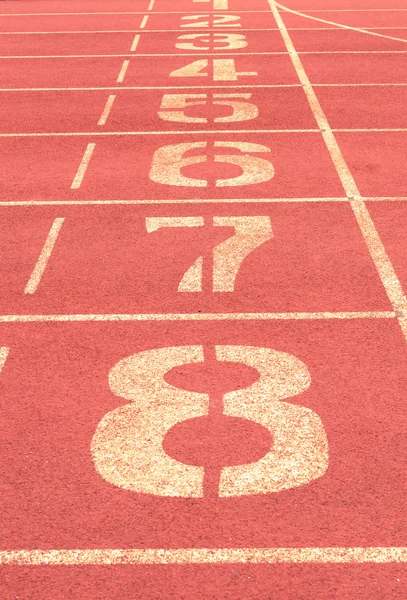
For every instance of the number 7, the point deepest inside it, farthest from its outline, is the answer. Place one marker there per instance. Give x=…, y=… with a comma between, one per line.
x=228, y=256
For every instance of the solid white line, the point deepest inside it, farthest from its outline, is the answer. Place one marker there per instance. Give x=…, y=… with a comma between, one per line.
x=365, y=30
x=367, y=227
x=80, y=174
x=110, y=101
x=3, y=357
x=144, y=22
x=183, y=12
x=33, y=203
x=155, y=133
x=162, y=87
x=106, y=110
x=176, y=201
x=172, y=54
x=44, y=257
x=16, y=203
x=66, y=318
x=135, y=42
x=220, y=29
x=219, y=556
x=123, y=70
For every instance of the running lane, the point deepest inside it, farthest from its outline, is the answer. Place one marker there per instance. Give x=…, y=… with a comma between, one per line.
x=203, y=318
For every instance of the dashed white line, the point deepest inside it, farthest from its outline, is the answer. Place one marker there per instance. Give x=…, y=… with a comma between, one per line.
x=106, y=110
x=80, y=174
x=3, y=356
x=144, y=22
x=134, y=45
x=44, y=257
x=123, y=70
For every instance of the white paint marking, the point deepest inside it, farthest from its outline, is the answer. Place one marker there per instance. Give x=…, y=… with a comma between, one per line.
x=177, y=201
x=135, y=42
x=123, y=70
x=197, y=317
x=367, y=227
x=219, y=556
x=3, y=357
x=144, y=22
x=80, y=174
x=106, y=110
x=150, y=6
x=220, y=5
x=366, y=30
x=159, y=133
x=44, y=257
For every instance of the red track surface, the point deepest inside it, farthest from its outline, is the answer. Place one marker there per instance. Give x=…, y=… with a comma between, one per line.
x=203, y=318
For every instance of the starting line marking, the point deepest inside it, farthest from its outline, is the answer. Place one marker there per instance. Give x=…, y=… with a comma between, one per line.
x=203, y=555
x=294, y=316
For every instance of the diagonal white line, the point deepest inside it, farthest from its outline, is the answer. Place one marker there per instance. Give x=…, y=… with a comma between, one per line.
x=44, y=257
x=367, y=227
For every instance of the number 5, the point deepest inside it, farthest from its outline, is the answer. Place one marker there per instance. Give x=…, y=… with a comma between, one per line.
x=173, y=107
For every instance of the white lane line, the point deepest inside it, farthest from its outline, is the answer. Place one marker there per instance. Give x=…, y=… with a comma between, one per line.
x=367, y=227
x=157, y=133
x=123, y=70
x=33, y=203
x=196, y=317
x=80, y=174
x=44, y=257
x=161, y=87
x=221, y=29
x=177, y=201
x=172, y=54
x=150, y=6
x=218, y=556
x=106, y=110
x=3, y=357
x=135, y=42
x=144, y=22
x=365, y=30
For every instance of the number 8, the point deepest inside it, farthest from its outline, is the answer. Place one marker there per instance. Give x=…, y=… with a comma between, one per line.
x=127, y=445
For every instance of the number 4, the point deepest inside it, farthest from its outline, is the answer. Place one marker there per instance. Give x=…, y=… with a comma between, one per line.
x=223, y=70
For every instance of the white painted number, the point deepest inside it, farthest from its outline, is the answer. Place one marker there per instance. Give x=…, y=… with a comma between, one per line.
x=250, y=233
x=218, y=21
x=221, y=41
x=174, y=106
x=223, y=69
x=168, y=162
x=127, y=447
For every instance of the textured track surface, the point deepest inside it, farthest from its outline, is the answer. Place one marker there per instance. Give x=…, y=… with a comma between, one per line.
x=203, y=318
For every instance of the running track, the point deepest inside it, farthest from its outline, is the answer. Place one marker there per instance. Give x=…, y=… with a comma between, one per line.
x=203, y=318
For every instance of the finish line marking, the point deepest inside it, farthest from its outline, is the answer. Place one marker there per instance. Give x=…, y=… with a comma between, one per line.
x=203, y=555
